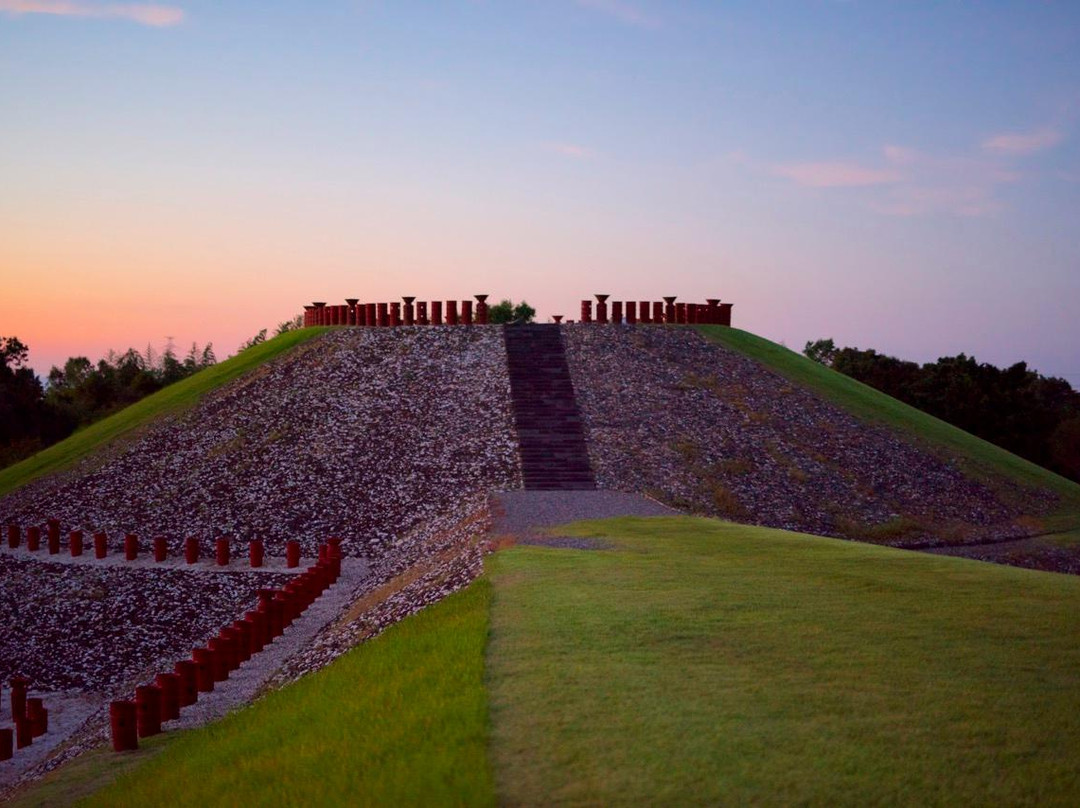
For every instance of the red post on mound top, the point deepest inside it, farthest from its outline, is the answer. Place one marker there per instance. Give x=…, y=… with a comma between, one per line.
x=124, y=727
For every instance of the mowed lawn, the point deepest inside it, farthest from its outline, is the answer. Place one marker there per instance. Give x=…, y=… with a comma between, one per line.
x=701, y=662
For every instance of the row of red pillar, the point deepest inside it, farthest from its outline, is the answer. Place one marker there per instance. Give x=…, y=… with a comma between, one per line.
x=409, y=312
x=132, y=546
x=711, y=312
x=29, y=717
x=222, y=654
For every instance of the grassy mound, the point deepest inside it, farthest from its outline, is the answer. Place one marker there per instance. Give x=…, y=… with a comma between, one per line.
x=980, y=458
x=401, y=720
x=701, y=662
x=169, y=400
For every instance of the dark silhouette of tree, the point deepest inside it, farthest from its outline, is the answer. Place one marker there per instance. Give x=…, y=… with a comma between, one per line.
x=505, y=311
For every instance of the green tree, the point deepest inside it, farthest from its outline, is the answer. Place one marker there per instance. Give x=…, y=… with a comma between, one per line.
x=505, y=311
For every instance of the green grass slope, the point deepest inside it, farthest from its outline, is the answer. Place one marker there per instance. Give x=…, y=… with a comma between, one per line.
x=979, y=457
x=705, y=663
x=170, y=400
x=400, y=720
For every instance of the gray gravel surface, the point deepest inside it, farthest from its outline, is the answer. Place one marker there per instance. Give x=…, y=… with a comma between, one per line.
x=710, y=431
x=522, y=512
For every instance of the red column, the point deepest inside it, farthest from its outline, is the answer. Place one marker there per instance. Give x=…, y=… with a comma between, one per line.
x=161, y=549
x=221, y=551
x=616, y=312
x=169, y=685
x=669, y=310
x=410, y=312
x=466, y=312
x=75, y=543
x=680, y=313
x=691, y=313
x=191, y=549
x=586, y=311
x=320, y=313
x=384, y=317
x=451, y=312
x=101, y=545
x=557, y=318
x=395, y=314
x=54, y=536
x=24, y=732
x=601, y=308
x=350, y=311
x=33, y=538
x=124, y=725
x=713, y=310
x=255, y=552
x=308, y=317
x=7, y=744
x=481, y=309
x=292, y=554
x=39, y=717
x=204, y=669
x=658, y=312
x=188, y=674
x=372, y=315
x=14, y=536
x=644, y=311
x=631, y=311
x=131, y=547
x=18, y=696
x=148, y=710
x=725, y=314
x=436, y=312
x=361, y=314
x=421, y=313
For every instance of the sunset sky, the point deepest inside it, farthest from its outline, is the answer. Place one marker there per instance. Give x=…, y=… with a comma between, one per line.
x=896, y=175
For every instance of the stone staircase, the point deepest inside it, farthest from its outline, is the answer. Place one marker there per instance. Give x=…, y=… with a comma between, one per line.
x=551, y=435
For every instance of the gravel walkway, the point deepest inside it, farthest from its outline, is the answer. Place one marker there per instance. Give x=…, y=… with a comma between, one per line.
x=524, y=512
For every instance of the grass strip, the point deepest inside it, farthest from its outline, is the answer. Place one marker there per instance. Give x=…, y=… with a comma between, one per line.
x=400, y=720
x=866, y=403
x=169, y=400
x=706, y=663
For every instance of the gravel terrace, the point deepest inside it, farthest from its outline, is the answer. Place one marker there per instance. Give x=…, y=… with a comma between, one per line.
x=707, y=430
x=363, y=433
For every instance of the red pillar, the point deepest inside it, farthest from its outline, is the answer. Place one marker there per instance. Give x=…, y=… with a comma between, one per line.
x=384, y=317
x=421, y=313
x=75, y=543
x=161, y=549
x=39, y=717
x=148, y=710
x=725, y=314
x=713, y=310
x=586, y=311
x=616, y=312
x=292, y=554
x=33, y=538
x=131, y=547
x=631, y=311
x=169, y=685
x=14, y=536
x=601, y=308
x=320, y=313
x=122, y=718
x=372, y=314
x=255, y=552
x=350, y=311
x=101, y=545
x=466, y=312
x=308, y=316
x=54, y=536
x=204, y=669
x=451, y=312
x=395, y=314
x=557, y=318
x=221, y=551
x=18, y=696
x=7, y=744
x=436, y=312
x=410, y=311
x=644, y=311
x=191, y=549
x=24, y=732
x=658, y=312
x=669, y=310
x=188, y=674
x=481, y=309
x=361, y=314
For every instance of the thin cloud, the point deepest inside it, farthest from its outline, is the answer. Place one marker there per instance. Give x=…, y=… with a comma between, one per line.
x=835, y=175
x=1021, y=143
x=144, y=14
x=623, y=12
x=572, y=150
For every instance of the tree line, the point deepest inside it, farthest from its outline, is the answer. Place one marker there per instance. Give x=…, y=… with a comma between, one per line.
x=34, y=414
x=1034, y=416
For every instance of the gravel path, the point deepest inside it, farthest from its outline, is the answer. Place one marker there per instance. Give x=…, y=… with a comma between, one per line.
x=524, y=512
x=67, y=712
